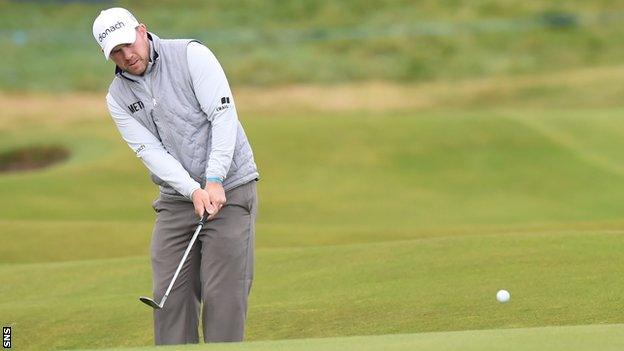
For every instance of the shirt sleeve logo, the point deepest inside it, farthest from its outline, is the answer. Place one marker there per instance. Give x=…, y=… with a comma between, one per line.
x=138, y=151
x=225, y=103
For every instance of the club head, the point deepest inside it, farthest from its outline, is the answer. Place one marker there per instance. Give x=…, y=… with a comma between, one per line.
x=150, y=302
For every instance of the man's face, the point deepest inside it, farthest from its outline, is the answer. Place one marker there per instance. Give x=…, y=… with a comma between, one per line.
x=133, y=58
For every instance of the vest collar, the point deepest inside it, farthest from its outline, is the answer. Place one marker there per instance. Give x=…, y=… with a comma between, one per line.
x=154, y=47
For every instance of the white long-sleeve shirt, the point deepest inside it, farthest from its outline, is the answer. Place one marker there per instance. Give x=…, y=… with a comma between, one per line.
x=210, y=85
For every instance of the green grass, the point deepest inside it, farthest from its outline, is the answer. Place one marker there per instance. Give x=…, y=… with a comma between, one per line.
x=49, y=46
x=377, y=230
x=442, y=169
x=370, y=224
x=603, y=337
x=435, y=284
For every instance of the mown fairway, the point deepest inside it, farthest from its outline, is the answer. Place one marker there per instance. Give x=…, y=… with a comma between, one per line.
x=370, y=223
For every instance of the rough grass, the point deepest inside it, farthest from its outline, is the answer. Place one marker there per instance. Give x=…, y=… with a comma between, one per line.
x=49, y=47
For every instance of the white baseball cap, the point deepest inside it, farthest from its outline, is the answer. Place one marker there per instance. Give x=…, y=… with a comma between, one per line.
x=113, y=27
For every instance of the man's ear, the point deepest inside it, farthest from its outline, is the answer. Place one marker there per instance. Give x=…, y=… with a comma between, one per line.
x=142, y=29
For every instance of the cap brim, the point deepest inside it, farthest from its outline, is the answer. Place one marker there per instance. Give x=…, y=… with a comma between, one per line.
x=124, y=36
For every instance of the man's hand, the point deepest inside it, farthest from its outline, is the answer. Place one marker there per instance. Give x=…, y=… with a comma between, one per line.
x=210, y=199
x=201, y=201
x=217, y=197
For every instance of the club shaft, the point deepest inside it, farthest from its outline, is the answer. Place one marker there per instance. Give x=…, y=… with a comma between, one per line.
x=188, y=249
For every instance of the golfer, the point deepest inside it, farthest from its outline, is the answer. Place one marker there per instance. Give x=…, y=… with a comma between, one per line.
x=172, y=104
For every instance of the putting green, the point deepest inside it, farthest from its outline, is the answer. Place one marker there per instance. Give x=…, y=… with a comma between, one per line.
x=428, y=284
x=572, y=338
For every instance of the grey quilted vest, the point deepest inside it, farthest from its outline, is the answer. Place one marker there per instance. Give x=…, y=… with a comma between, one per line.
x=177, y=119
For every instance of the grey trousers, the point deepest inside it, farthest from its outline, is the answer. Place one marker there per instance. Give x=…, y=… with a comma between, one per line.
x=217, y=275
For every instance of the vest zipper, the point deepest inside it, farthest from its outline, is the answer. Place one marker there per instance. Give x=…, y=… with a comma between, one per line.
x=150, y=90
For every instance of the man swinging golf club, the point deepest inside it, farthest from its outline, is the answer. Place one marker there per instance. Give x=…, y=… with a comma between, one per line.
x=172, y=104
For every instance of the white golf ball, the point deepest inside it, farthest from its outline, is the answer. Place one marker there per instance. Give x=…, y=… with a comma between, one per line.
x=503, y=296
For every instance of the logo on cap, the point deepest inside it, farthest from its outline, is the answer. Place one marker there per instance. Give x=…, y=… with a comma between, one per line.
x=112, y=28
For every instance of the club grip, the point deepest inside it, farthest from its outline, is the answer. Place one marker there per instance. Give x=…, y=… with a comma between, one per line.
x=204, y=218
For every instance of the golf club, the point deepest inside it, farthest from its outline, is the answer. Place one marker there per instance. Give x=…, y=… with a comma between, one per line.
x=152, y=303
